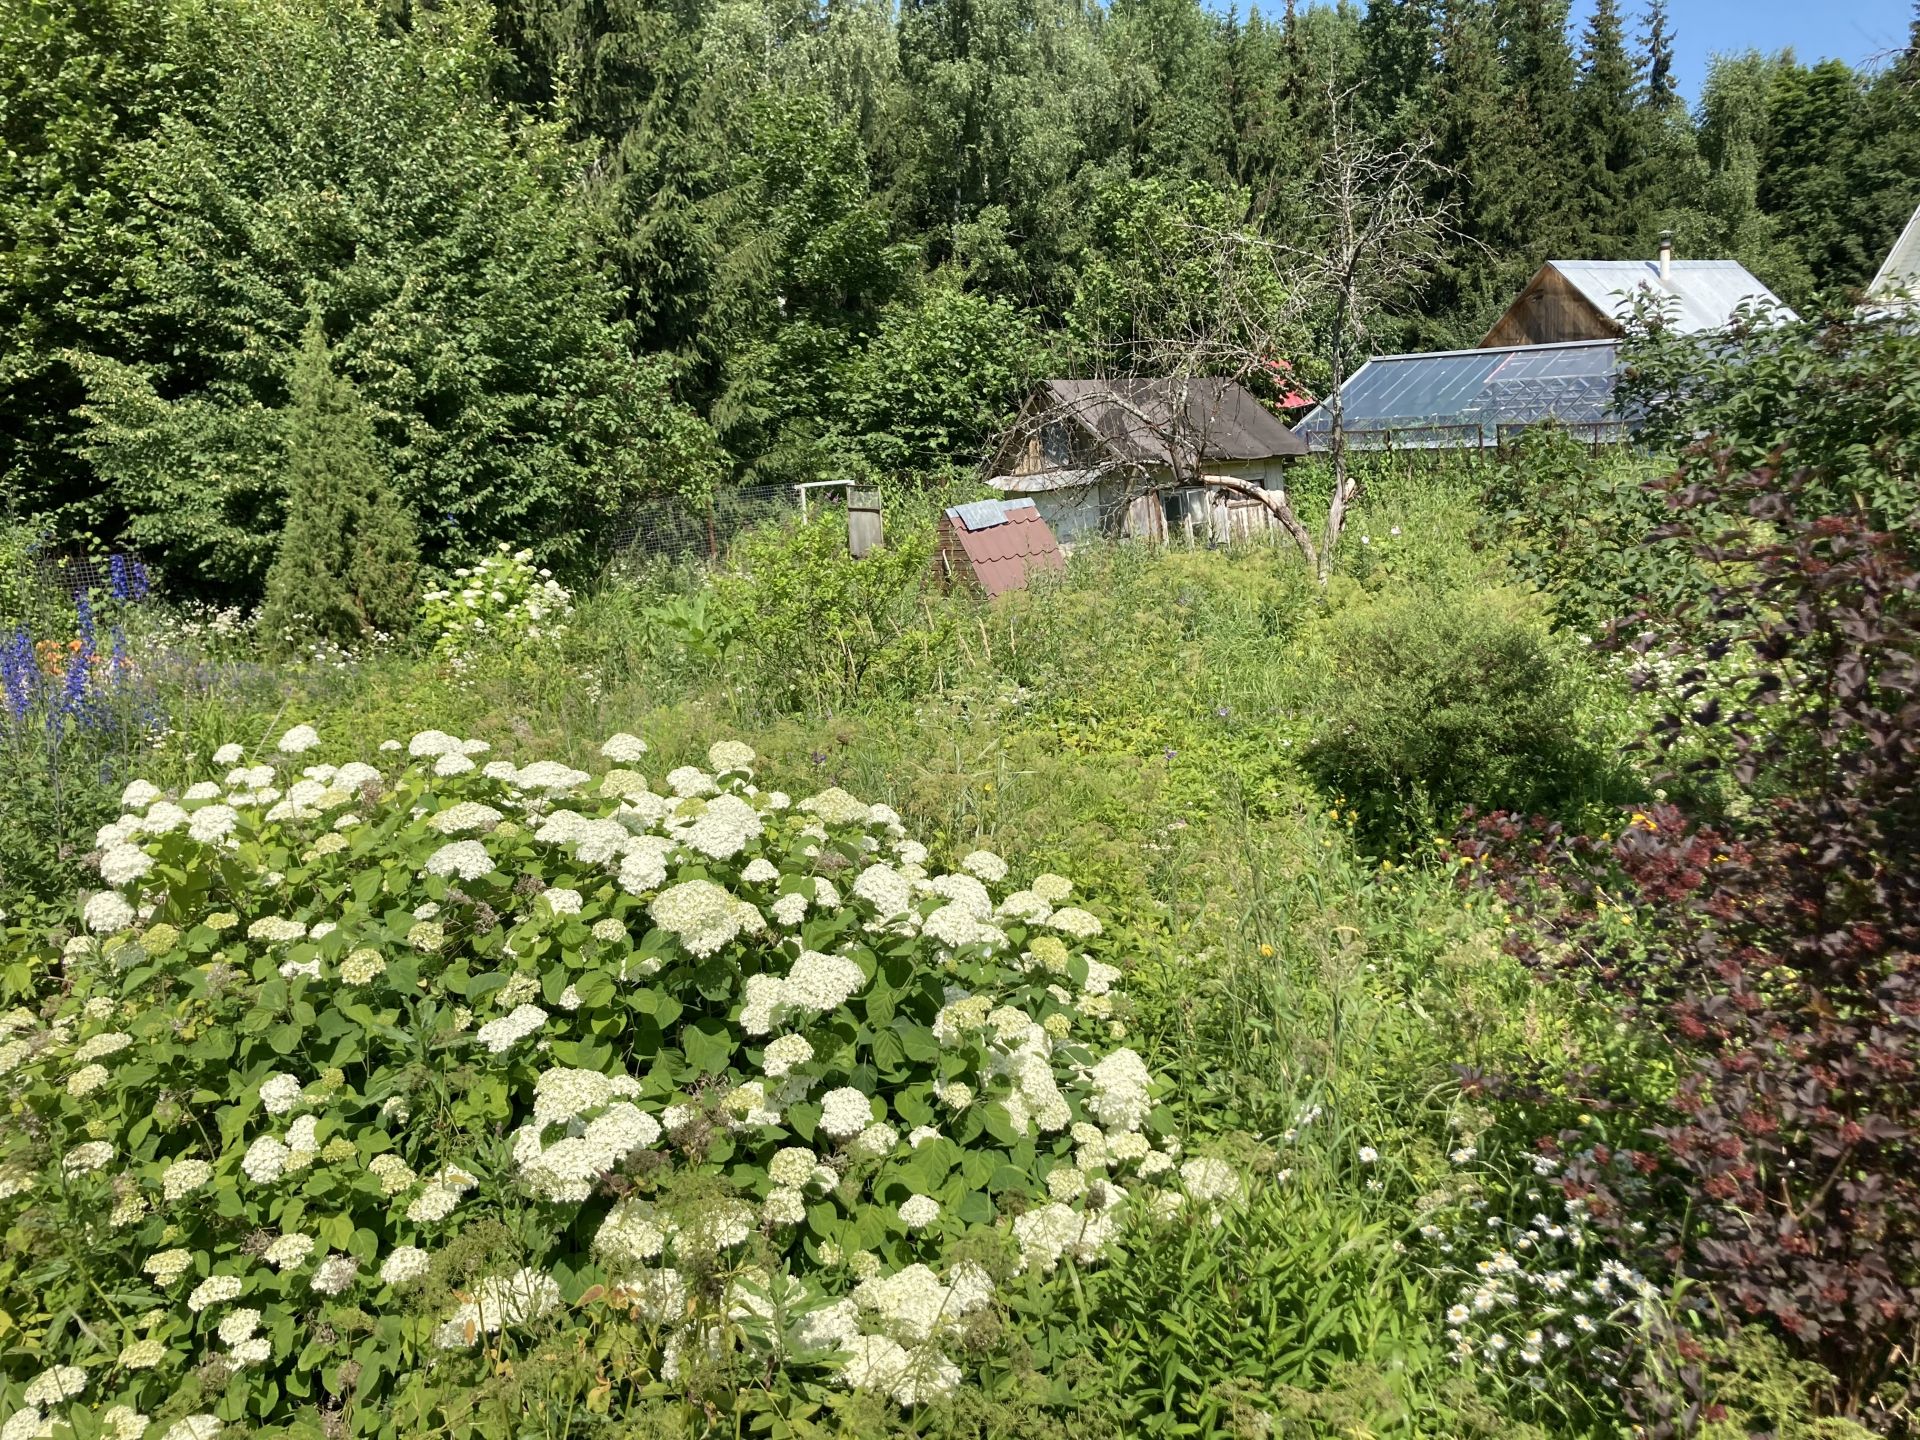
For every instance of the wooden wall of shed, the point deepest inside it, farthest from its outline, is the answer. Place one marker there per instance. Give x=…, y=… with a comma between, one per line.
x=950, y=564
x=1547, y=312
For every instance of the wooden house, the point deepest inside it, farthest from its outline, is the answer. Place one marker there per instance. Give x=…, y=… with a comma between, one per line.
x=1569, y=300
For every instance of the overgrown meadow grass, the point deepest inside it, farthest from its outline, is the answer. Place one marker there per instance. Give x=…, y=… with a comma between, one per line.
x=1139, y=726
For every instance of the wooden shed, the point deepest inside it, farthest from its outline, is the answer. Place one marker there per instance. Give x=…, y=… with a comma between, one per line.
x=1569, y=300
x=1117, y=457
x=995, y=545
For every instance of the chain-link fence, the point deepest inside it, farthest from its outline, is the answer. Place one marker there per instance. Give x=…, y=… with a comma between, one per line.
x=42, y=589
x=671, y=528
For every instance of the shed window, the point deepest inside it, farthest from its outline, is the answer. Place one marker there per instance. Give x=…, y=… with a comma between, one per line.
x=1055, y=445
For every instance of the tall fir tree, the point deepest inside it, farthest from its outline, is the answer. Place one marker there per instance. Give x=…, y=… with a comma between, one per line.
x=1540, y=86
x=348, y=559
x=1662, y=92
x=1401, y=39
x=1611, y=136
x=1486, y=146
x=627, y=76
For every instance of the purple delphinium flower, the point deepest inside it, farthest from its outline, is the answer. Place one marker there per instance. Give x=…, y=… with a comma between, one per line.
x=19, y=674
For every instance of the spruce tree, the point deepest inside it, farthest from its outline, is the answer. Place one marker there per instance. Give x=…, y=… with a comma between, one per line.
x=1486, y=143
x=348, y=556
x=1399, y=38
x=1540, y=76
x=1661, y=91
x=1612, y=136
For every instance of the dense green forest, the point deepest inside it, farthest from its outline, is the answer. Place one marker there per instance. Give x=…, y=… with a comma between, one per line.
x=574, y=251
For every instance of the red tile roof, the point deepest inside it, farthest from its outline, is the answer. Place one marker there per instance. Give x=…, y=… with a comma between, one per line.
x=1004, y=554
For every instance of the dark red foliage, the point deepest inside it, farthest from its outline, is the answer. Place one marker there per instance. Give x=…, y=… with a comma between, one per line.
x=1777, y=953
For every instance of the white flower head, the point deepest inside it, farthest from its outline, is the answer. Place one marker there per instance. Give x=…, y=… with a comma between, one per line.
x=986, y=865
x=107, y=914
x=623, y=749
x=52, y=1385
x=729, y=755
x=299, y=740
x=845, y=1112
x=917, y=1212
x=467, y=859
x=214, y=1290
x=124, y=864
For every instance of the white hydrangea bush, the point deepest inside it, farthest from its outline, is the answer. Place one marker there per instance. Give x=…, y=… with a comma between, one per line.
x=501, y=601
x=402, y=1065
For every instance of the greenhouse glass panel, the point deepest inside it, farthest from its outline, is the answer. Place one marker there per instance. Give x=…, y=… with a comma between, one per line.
x=1466, y=396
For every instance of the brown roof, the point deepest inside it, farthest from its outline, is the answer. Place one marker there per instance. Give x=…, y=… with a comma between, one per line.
x=1002, y=541
x=1136, y=421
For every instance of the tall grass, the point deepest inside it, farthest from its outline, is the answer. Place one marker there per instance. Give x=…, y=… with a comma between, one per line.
x=1135, y=725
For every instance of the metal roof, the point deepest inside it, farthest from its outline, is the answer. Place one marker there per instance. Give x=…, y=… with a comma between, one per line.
x=985, y=514
x=1046, y=481
x=1135, y=419
x=1901, y=269
x=1695, y=295
x=1453, y=391
x=1004, y=541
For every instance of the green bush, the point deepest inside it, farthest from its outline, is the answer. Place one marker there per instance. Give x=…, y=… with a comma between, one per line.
x=362, y=1087
x=1578, y=527
x=498, y=605
x=1431, y=702
x=816, y=626
x=270, y=155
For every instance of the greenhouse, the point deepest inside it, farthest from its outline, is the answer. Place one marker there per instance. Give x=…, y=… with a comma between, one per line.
x=1474, y=397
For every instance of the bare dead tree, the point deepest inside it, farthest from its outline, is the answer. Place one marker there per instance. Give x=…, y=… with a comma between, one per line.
x=1380, y=236
x=1209, y=304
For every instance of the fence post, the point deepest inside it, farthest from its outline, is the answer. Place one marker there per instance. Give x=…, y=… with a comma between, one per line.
x=863, y=521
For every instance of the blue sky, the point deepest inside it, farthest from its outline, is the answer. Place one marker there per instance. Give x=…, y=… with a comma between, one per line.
x=1850, y=30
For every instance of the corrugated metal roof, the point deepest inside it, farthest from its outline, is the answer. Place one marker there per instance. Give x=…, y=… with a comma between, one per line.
x=1696, y=295
x=985, y=514
x=1901, y=269
x=1046, y=481
x=1136, y=419
x=1451, y=391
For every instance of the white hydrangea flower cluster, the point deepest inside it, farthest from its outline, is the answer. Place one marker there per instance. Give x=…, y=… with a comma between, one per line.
x=702, y=916
x=504, y=599
x=793, y=1053
x=600, y=1126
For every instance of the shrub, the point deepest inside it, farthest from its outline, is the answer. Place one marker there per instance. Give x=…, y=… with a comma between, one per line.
x=499, y=604
x=1779, y=955
x=1431, y=703
x=815, y=625
x=357, y=1086
x=1836, y=394
x=1581, y=528
x=344, y=570
x=252, y=157
x=941, y=374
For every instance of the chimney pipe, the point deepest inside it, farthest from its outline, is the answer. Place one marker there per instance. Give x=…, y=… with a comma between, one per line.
x=1666, y=253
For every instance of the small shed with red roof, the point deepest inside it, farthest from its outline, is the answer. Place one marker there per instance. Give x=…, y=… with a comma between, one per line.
x=995, y=544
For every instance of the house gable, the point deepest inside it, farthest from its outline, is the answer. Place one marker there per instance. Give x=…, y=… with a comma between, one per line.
x=1551, y=309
